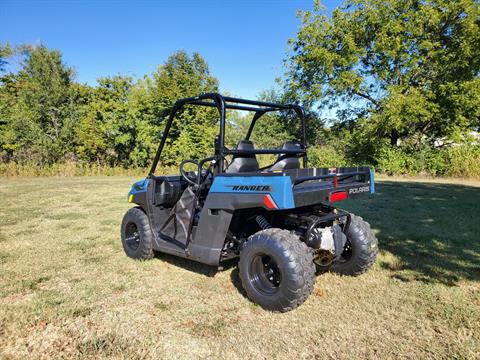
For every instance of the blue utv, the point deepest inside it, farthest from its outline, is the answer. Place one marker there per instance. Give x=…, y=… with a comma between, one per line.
x=279, y=220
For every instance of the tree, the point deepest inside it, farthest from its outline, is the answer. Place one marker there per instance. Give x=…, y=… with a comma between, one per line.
x=5, y=52
x=106, y=132
x=408, y=69
x=122, y=123
x=40, y=111
x=192, y=132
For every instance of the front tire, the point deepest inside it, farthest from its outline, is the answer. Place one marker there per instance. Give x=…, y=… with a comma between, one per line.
x=276, y=270
x=136, y=235
x=360, y=251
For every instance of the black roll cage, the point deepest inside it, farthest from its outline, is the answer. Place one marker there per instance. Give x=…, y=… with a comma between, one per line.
x=222, y=103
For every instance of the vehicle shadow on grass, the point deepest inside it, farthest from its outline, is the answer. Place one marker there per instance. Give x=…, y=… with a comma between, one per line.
x=433, y=230
x=194, y=266
x=235, y=278
x=206, y=270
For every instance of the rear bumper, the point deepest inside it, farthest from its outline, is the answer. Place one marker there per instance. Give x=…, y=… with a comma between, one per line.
x=322, y=193
x=314, y=186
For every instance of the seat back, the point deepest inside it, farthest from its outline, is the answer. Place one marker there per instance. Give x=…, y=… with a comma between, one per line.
x=284, y=161
x=243, y=163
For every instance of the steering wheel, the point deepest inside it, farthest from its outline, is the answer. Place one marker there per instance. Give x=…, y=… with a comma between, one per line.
x=184, y=174
x=202, y=174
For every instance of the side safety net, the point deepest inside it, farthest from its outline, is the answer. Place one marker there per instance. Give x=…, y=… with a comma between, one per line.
x=178, y=224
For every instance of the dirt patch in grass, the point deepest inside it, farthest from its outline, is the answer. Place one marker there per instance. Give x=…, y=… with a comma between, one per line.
x=16, y=299
x=68, y=291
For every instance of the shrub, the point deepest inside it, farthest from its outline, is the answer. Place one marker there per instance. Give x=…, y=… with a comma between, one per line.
x=13, y=169
x=463, y=161
x=326, y=156
x=392, y=161
x=456, y=161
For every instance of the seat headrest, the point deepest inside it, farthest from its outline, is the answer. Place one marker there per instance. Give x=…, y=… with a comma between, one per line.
x=245, y=145
x=243, y=162
x=291, y=145
x=290, y=161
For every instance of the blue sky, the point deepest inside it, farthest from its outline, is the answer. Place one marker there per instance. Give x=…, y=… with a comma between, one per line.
x=244, y=42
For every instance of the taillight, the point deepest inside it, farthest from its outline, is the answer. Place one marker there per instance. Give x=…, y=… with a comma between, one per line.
x=335, y=181
x=338, y=196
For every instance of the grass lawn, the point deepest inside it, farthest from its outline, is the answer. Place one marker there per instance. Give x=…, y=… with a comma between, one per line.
x=67, y=289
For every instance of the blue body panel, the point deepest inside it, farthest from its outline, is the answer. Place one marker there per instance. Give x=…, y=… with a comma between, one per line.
x=280, y=187
x=139, y=187
x=372, y=181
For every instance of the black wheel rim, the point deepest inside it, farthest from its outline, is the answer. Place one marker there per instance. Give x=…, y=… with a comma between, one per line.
x=347, y=252
x=132, y=237
x=264, y=274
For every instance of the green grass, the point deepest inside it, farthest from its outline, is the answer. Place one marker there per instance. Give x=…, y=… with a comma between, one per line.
x=68, y=291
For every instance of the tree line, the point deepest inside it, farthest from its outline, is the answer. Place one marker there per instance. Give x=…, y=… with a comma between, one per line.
x=405, y=75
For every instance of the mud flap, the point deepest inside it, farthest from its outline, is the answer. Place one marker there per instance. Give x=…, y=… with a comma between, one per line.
x=339, y=239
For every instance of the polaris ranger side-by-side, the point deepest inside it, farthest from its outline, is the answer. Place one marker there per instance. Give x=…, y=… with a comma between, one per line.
x=279, y=220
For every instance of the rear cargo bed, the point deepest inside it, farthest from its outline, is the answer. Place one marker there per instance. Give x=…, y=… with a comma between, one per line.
x=316, y=185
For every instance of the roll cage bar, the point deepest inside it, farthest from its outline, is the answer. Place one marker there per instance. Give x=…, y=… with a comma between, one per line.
x=222, y=103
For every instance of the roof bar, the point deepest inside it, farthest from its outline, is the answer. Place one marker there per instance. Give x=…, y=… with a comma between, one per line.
x=259, y=103
x=263, y=151
x=230, y=106
x=222, y=103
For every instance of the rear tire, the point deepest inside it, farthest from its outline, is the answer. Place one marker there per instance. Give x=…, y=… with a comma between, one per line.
x=360, y=251
x=136, y=234
x=277, y=270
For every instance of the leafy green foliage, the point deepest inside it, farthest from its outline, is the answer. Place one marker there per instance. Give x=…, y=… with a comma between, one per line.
x=326, y=156
x=193, y=130
x=5, y=52
x=409, y=70
x=38, y=111
x=47, y=117
x=458, y=161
